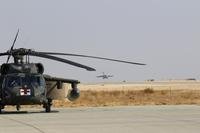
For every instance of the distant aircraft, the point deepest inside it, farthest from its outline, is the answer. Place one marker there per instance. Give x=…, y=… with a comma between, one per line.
x=104, y=76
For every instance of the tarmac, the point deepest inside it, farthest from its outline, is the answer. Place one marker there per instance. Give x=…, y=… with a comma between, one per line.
x=128, y=119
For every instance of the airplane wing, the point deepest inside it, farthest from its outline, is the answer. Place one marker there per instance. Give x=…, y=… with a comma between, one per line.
x=100, y=76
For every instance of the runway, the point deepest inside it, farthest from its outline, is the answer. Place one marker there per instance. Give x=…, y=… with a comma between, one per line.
x=134, y=119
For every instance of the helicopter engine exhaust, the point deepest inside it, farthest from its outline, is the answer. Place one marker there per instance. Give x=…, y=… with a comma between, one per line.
x=40, y=68
x=73, y=93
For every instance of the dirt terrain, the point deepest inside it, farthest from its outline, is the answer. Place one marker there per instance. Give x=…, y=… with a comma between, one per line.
x=129, y=94
x=140, y=93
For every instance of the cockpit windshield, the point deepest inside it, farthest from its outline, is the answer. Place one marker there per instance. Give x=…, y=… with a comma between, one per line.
x=13, y=81
x=24, y=80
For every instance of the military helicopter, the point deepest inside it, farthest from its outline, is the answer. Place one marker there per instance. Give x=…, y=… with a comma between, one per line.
x=23, y=83
x=104, y=76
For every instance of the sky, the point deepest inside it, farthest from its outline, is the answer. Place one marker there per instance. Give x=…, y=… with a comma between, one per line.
x=164, y=34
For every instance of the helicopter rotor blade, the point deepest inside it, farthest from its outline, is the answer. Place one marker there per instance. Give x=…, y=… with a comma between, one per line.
x=95, y=57
x=12, y=46
x=38, y=54
x=8, y=58
x=15, y=40
x=4, y=54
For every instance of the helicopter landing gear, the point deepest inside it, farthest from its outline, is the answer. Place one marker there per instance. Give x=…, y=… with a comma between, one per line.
x=0, y=111
x=18, y=107
x=47, y=106
x=1, y=107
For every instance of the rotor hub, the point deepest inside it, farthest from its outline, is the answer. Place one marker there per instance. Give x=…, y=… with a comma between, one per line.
x=18, y=54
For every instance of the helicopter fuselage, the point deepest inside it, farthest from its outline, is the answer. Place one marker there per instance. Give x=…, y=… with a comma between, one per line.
x=22, y=89
x=25, y=84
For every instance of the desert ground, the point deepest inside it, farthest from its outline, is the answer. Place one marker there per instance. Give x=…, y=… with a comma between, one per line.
x=173, y=92
x=180, y=92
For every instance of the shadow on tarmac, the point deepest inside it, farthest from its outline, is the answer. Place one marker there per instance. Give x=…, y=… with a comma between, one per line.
x=26, y=112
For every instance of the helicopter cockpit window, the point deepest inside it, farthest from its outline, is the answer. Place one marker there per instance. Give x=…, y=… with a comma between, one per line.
x=13, y=81
x=25, y=80
x=35, y=80
x=32, y=80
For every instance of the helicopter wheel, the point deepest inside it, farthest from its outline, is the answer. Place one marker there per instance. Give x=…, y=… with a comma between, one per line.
x=48, y=106
x=1, y=107
x=18, y=107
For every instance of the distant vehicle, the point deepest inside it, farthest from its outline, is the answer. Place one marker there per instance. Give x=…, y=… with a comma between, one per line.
x=191, y=79
x=151, y=80
x=104, y=76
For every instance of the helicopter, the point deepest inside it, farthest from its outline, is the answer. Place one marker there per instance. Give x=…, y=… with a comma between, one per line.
x=104, y=76
x=24, y=83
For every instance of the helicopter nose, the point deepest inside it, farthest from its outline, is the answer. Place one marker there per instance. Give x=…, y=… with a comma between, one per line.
x=6, y=94
x=25, y=92
x=25, y=86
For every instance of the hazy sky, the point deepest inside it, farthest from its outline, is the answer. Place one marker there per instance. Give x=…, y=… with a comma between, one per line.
x=165, y=34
